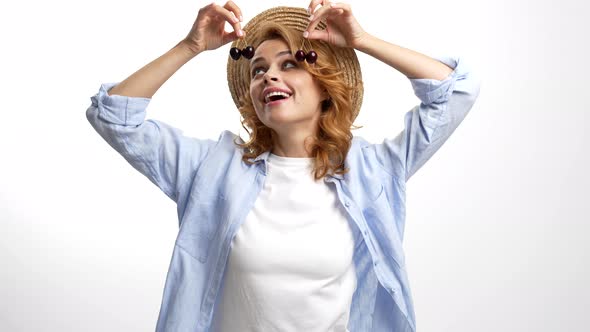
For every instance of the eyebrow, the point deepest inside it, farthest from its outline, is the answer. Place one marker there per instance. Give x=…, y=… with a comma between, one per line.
x=281, y=53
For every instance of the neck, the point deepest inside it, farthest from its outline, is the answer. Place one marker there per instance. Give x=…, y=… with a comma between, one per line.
x=294, y=144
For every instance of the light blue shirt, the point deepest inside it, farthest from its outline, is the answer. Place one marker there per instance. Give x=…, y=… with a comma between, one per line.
x=214, y=191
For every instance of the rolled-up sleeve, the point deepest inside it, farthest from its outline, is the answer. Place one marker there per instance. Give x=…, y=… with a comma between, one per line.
x=157, y=150
x=443, y=106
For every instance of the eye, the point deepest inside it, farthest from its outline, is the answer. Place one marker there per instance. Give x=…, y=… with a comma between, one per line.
x=257, y=71
x=260, y=70
x=289, y=62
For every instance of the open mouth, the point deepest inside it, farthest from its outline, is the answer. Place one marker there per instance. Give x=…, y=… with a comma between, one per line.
x=276, y=96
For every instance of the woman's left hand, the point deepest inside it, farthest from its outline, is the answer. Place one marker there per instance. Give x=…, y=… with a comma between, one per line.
x=342, y=28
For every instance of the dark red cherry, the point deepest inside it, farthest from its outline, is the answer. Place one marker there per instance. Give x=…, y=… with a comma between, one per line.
x=248, y=52
x=300, y=55
x=235, y=53
x=311, y=57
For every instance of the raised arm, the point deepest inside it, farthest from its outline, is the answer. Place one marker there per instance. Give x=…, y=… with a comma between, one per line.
x=207, y=33
x=146, y=81
x=410, y=63
x=157, y=150
x=446, y=87
x=345, y=31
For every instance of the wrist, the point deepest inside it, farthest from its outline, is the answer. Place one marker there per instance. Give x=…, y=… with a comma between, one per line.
x=188, y=48
x=363, y=43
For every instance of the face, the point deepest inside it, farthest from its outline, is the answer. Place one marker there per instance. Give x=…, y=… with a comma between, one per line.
x=284, y=94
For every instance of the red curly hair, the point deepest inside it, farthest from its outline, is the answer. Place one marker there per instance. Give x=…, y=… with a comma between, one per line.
x=334, y=137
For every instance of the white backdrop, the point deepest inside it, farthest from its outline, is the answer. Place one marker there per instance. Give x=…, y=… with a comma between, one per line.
x=497, y=220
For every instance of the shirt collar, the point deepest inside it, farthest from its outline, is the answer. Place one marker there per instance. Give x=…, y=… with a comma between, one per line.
x=264, y=157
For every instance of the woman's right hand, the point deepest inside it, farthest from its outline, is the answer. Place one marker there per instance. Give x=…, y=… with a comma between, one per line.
x=208, y=31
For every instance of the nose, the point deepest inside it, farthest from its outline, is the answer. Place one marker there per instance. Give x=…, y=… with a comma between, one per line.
x=270, y=75
x=267, y=78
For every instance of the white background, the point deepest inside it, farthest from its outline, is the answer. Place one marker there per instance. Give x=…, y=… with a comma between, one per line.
x=497, y=220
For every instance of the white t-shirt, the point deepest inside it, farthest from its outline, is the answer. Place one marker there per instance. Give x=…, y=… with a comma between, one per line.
x=290, y=267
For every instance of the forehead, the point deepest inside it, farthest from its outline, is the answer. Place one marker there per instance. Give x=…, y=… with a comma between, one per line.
x=270, y=47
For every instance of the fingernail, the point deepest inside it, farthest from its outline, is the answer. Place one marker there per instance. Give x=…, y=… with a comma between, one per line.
x=305, y=34
x=240, y=33
x=308, y=10
x=241, y=18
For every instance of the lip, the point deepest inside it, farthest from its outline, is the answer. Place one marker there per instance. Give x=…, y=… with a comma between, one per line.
x=274, y=89
x=276, y=102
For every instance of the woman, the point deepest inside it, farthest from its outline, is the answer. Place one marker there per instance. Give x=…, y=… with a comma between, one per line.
x=299, y=228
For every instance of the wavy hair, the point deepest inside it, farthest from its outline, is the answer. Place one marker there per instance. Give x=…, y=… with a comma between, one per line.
x=334, y=137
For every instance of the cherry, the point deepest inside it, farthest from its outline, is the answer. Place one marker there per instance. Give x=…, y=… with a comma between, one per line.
x=235, y=53
x=300, y=55
x=248, y=52
x=311, y=57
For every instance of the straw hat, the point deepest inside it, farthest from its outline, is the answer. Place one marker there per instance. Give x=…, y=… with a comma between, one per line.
x=298, y=19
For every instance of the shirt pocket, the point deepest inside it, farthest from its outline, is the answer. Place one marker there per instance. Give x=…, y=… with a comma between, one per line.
x=381, y=221
x=200, y=225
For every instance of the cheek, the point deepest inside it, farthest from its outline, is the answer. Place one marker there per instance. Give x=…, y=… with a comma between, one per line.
x=310, y=85
x=254, y=93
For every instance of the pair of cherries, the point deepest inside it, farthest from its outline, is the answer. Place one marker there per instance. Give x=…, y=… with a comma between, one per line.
x=310, y=57
x=248, y=52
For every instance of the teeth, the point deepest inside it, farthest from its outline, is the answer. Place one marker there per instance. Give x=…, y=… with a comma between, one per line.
x=276, y=93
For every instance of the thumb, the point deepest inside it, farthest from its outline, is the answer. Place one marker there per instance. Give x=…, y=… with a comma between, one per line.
x=319, y=35
x=229, y=37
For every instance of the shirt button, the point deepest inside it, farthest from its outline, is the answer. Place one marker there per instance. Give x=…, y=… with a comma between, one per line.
x=347, y=203
x=375, y=263
x=365, y=232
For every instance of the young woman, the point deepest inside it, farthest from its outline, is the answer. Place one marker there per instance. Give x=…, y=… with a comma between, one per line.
x=300, y=227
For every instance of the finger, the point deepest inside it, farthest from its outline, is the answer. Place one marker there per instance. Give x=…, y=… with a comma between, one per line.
x=217, y=11
x=229, y=17
x=320, y=14
x=313, y=4
x=331, y=9
x=344, y=6
x=229, y=37
x=231, y=6
x=319, y=35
